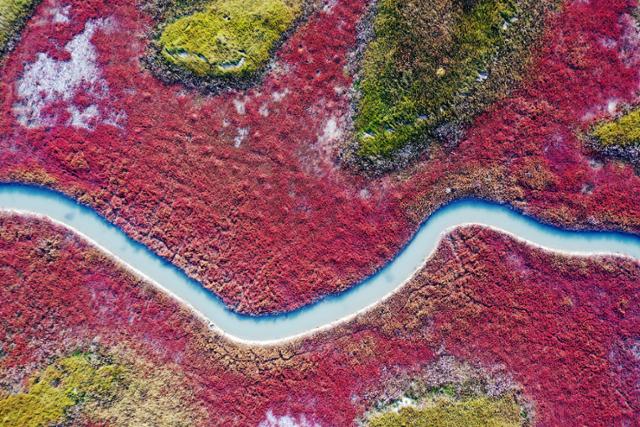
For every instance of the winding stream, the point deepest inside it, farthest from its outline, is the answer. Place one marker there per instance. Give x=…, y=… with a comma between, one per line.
x=331, y=309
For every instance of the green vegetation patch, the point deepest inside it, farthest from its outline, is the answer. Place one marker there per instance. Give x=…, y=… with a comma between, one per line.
x=434, y=64
x=12, y=15
x=443, y=410
x=68, y=382
x=623, y=132
x=228, y=38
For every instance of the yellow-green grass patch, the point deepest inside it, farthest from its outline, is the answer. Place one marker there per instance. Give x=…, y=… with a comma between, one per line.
x=12, y=14
x=228, y=38
x=446, y=411
x=622, y=132
x=50, y=394
x=118, y=388
x=432, y=65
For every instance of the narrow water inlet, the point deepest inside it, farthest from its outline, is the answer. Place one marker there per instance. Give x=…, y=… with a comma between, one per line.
x=334, y=308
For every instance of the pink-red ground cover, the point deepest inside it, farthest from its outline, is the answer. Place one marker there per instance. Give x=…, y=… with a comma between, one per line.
x=565, y=331
x=242, y=189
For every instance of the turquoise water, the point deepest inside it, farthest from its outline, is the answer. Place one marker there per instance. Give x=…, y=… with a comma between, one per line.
x=332, y=308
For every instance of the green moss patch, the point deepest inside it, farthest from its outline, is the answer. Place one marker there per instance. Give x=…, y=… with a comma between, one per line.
x=434, y=64
x=228, y=38
x=12, y=16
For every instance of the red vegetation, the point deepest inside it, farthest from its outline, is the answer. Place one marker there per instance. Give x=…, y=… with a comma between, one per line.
x=242, y=190
x=565, y=329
